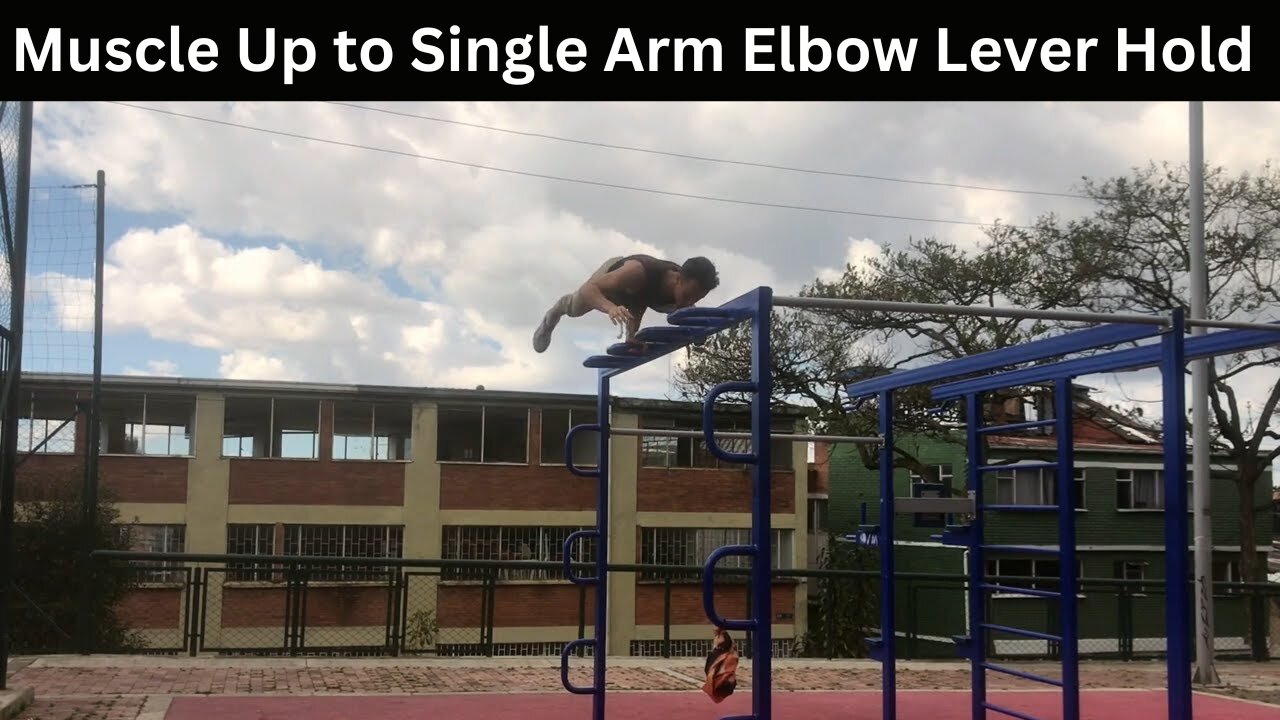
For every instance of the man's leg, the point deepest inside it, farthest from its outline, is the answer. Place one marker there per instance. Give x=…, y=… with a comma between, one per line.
x=570, y=305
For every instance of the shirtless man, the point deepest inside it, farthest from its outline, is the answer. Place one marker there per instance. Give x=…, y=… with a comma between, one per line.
x=624, y=287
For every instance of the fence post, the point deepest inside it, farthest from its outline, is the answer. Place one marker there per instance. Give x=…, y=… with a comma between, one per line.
x=1258, y=627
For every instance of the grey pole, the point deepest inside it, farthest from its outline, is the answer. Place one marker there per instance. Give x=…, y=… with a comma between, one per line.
x=1202, y=525
x=657, y=432
x=813, y=303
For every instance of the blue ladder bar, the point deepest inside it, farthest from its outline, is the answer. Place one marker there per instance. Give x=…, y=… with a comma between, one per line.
x=601, y=535
x=1021, y=674
x=1016, y=426
x=1006, y=711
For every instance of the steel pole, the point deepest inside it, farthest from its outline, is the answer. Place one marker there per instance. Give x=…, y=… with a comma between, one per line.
x=1202, y=526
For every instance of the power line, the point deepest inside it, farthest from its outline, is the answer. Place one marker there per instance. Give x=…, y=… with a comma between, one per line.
x=558, y=178
x=704, y=158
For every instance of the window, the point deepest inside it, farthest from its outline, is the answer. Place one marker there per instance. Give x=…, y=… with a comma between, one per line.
x=271, y=427
x=345, y=541
x=686, y=452
x=47, y=422
x=159, y=539
x=1227, y=571
x=945, y=474
x=1032, y=574
x=1142, y=489
x=692, y=546
x=1131, y=570
x=245, y=539
x=147, y=424
x=1035, y=486
x=365, y=430
x=485, y=434
x=555, y=428
x=818, y=515
x=513, y=543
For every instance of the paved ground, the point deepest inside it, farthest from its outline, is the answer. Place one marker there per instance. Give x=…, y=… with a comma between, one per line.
x=141, y=688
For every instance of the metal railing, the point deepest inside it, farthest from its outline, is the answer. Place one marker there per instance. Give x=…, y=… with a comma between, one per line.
x=185, y=603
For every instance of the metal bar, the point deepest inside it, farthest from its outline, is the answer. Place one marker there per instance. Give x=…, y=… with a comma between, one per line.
x=1202, y=520
x=89, y=495
x=601, y=631
x=888, y=628
x=1024, y=675
x=1043, y=348
x=908, y=505
x=1211, y=345
x=762, y=507
x=700, y=434
x=1177, y=611
x=1005, y=312
x=978, y=310
x=977, y=558
x=1015, y=426
x=1021, y=631
x=1006, y=711
x=1064, y=406
x=1021, y=508
x=703, y=323
x=1018, y=466
x=13, y=374
x=1030, y=549
x=1011, y=590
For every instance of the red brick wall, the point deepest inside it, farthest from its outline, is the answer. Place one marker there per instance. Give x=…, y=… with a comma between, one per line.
x=686, y=603
x=140, y=479
x=533, y=605
x=287, y=481
x=532, y=486
x=708, y=490
x=152, y=608
x=354, y=606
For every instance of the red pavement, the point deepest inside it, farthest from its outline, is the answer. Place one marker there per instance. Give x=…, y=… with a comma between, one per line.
x=912, y=705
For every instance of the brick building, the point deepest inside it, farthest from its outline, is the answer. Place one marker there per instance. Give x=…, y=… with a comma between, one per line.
x=219, y=466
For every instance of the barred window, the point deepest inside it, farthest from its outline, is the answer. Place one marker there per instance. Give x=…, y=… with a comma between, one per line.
x=683, y=547
x=159, y=539
x=248, y=539
x=513, y=543
x=345, y=541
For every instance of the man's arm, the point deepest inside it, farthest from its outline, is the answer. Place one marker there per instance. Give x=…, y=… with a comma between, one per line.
x=628, y=278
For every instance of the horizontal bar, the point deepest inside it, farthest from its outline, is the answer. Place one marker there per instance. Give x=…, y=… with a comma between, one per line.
x=1020, y=631
x=1195, y=348
x=999, y=467
x=1049, y=347
x=657, y=432
x=1005, y=312
x=981, y=311
x=933, y=505
x=1029, y=549
x=1016, y=426
x=1021, y=591
x=1020, y=508
x=1006, y=711
x=1022, y=674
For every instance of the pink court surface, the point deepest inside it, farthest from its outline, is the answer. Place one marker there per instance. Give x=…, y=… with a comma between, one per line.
x=912, y=705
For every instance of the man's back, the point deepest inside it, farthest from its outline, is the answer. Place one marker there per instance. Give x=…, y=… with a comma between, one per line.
x=654, y=293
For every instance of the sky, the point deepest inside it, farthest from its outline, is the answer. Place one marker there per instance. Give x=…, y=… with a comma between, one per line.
x=420, y=243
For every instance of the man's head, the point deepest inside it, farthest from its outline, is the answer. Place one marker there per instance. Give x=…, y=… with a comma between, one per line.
x=697, y=278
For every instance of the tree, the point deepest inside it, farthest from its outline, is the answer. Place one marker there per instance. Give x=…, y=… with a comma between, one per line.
x=1133, y=254
x=49, y=539
x=847, y=603
x=814, y=352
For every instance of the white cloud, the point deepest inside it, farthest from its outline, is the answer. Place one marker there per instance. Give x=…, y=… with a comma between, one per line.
x=277, y=259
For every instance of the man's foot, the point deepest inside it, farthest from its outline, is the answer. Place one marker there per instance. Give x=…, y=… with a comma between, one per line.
x=542, y=336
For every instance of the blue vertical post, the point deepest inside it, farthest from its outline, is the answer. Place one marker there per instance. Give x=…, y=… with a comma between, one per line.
x=977, y=559
x=762, y=506
x=1177, y=542
x=601, y=633
x=1068, y=579
x=888, y=632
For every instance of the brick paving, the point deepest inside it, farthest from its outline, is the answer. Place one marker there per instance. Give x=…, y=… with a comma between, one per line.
x=101, y=688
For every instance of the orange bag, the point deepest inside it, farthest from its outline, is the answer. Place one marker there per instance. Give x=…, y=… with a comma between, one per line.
x=721, y=668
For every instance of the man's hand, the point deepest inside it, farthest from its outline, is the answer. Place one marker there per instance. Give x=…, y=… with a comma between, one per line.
x=621, y=316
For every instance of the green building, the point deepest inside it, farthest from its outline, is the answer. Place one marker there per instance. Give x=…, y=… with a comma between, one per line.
x=1119, y=495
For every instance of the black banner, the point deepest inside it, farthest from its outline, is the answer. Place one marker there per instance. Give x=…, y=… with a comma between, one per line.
x=455, y=56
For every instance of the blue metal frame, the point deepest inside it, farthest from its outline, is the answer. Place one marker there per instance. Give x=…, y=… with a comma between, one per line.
x=688, y=326
x=693, y=325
